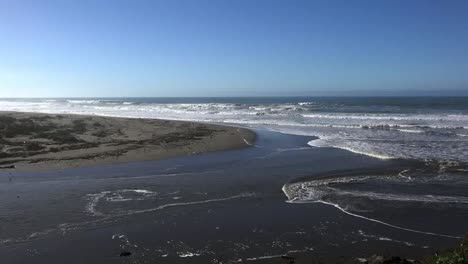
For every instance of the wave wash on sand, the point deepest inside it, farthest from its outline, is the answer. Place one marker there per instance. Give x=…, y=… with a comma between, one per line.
x=415, y=128
x=218, y=207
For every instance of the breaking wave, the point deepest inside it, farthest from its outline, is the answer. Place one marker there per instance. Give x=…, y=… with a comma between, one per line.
x=387, y=128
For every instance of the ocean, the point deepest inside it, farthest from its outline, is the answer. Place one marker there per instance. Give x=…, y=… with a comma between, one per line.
x=345, y=178
x=422, y=128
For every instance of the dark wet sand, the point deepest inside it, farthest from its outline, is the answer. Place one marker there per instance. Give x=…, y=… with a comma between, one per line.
x=218, y=207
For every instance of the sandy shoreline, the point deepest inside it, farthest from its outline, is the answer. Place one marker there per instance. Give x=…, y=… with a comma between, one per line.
x=51, y=141
x=186, y=210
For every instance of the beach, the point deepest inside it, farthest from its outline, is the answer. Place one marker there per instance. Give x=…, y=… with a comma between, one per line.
x=216, y=207
x=233, y=132
x=41, y=141
x=277, y=197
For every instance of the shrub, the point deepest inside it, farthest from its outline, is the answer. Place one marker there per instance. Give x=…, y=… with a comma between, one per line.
x=33, y=146
x=79, y=126
x=62, y=136
x=100, y=133
x=459, y=255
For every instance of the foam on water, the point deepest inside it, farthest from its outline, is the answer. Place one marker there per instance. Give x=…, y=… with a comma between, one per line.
x=93, y=199
x=340, y=193
x=138, y=191
x=388, y=130
x=164, y=206
x=325, y=142
x=188, y=254
x=100, y=217
x=280, y=255
x=119, y=196
x=123, y=195
x=387, y=224
x=383, y=238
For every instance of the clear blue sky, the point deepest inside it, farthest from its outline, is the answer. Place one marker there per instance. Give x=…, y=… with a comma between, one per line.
x=231, y=48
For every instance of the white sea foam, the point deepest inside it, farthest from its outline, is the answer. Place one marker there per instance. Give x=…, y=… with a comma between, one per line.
x=138, y=191
x=83, y=101
x=113, y=196
x=404, y=176
x=280, y=255
x=324, y=142
x=264, y=257
x=317, y=191
x=188, y=254
x=314, y=190
x=118, y=196
x=93, y=200
x=415, y=135
x=410, y=131
x=164, y=206
x=387, y=224
x=383, y=238
x=90, y=208
x=428, y=198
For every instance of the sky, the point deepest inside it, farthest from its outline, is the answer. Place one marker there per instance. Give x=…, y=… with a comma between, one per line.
x=122, y=48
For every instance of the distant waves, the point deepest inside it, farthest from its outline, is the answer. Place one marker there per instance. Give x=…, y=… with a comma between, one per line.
x=379, y=129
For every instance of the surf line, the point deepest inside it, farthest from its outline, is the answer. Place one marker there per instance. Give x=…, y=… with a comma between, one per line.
x=384, y=223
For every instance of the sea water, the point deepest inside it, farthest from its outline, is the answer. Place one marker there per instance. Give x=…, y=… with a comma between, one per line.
x=422, y=128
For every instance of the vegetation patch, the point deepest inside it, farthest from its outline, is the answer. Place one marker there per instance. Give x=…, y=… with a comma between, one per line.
x=79, y=126
x=60, y=136
x=459, y=255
